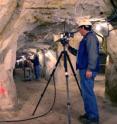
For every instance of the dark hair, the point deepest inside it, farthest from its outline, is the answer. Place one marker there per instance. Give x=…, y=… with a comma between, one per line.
x=86, y=27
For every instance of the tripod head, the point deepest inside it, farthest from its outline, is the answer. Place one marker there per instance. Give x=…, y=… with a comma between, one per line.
x=65, y=37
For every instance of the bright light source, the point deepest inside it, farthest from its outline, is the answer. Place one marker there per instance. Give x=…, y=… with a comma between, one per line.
x=102, y=28
x=98, y=27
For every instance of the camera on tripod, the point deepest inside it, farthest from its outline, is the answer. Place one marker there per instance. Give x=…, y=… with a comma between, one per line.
x=65, y=37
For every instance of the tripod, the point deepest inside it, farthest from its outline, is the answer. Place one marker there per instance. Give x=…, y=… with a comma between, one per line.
x=66, y=57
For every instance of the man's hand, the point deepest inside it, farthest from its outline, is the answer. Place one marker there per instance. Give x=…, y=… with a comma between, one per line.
x=88, y=74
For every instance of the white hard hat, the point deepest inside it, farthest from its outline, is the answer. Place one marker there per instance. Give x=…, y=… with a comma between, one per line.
x=83, y=21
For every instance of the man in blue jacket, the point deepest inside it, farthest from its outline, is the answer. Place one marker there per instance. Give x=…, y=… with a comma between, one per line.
x=88, y=66
x=36, y=65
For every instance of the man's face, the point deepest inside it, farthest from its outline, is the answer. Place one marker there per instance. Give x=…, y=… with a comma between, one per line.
x=81, y=30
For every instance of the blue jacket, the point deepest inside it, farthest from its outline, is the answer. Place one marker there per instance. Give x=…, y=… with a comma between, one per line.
x=88, y=53
x=35, y=61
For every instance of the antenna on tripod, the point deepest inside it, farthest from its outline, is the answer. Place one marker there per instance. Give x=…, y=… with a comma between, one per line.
x=64, y=25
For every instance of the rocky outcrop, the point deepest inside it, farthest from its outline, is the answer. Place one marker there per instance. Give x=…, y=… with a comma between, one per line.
x=111, y=68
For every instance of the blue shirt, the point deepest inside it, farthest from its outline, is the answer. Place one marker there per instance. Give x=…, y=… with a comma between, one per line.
x=88, y=53
x=36, y=60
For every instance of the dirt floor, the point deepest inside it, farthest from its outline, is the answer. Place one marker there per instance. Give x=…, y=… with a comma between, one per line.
x=29, y=93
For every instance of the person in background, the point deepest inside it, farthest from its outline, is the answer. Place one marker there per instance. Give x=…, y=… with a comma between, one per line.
x=88, y=66
x=37, y=66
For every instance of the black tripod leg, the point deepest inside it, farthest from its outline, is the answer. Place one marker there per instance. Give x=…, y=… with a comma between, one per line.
x=74, y=73
x=47, y=83
x=67, y=88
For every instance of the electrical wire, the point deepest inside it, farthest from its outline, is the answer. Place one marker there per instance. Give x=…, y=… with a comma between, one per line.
x=114, y=16
x=104, y=44
x=38, y=116
x=114, y=5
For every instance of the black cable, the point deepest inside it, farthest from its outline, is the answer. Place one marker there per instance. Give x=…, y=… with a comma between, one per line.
x=114, y=5
x=114, y=16
x=38, y=116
